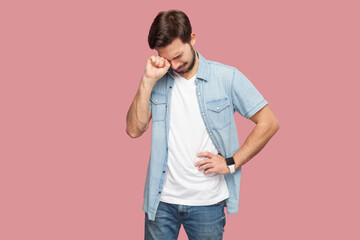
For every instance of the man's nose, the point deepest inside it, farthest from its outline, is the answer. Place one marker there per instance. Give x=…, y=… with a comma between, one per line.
x=175, y=65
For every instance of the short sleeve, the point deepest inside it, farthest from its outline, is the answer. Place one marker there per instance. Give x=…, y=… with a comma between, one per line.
x=247, y=100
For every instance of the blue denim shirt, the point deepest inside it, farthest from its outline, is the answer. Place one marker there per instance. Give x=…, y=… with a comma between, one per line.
x=221, y=90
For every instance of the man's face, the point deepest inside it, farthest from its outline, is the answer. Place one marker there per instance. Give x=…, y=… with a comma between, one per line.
x=181, y=55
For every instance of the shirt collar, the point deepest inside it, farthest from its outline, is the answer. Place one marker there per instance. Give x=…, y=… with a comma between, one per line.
x=203, y=69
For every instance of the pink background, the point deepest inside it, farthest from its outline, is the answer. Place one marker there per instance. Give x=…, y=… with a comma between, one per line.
x=69, y=71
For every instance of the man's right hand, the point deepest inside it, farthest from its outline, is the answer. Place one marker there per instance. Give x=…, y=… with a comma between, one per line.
x=139, y=114
x=156, y=67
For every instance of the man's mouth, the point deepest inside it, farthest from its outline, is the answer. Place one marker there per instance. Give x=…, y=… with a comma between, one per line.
x=180, y=69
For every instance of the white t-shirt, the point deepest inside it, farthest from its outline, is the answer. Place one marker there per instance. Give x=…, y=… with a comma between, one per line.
x=184, y=184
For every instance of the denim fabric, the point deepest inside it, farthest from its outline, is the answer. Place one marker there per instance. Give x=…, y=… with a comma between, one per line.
x=221, y=90
x=200, y=222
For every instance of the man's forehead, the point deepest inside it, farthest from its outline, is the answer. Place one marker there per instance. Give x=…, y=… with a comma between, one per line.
x=172, y=50
x=170, y=54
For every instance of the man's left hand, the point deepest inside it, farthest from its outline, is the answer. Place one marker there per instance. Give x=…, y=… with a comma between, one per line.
x=212, y=164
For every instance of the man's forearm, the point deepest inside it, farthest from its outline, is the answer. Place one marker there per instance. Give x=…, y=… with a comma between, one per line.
x=137, y=118
x=257, y=139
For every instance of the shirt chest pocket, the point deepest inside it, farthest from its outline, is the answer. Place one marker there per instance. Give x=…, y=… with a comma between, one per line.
x=219, y=112
x=158, y=108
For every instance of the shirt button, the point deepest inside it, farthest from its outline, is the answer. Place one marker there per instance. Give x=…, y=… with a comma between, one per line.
x=210, y=133
x=203, y=114
x=218, y=149
x=163, y=171
x=156, y=100
x=170, y=86
x=198, y=93
x=195, y=80
x=166, y=106
x=217, y=108
x=159, y=192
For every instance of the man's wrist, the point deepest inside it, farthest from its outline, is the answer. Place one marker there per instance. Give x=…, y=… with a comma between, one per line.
x=231, y=164
x=147, y=84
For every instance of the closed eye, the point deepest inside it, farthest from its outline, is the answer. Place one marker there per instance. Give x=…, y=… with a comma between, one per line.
x=177, y=56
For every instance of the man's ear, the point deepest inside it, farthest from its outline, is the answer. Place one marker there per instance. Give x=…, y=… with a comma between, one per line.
x=193, y=39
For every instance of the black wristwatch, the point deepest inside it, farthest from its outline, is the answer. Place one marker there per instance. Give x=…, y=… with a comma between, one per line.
x=231, y=164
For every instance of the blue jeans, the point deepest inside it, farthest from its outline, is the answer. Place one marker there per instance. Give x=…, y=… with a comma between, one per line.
x=200, y=222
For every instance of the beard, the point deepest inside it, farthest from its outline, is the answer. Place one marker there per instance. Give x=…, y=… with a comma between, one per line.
x=192, y=64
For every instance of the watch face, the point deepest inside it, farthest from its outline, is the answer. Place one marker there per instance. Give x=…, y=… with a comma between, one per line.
x=230, y=161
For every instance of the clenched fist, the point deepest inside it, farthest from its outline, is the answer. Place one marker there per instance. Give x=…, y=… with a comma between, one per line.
x=156, y=67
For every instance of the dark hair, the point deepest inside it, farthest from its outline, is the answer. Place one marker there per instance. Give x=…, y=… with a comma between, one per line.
x=167, y=26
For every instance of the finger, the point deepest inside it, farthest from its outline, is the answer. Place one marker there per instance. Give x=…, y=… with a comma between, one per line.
x=162, y=62
x=208, y=171
x=205, y=154
x=167, y=63
x=152, y=60
x=201, y=162
x=205, y=166
x=157, y=62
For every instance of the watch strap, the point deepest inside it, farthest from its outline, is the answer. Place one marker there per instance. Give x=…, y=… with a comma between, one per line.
x=232, y=168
